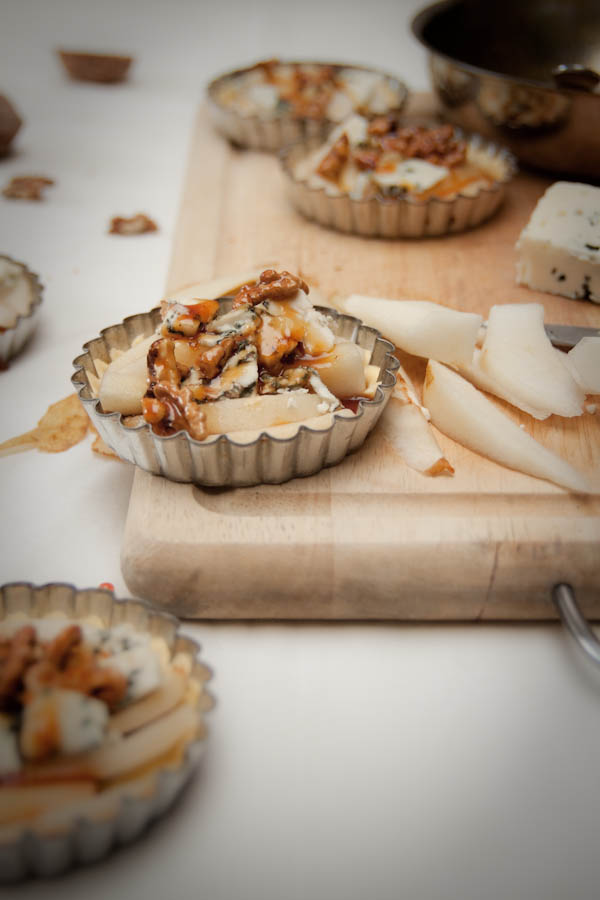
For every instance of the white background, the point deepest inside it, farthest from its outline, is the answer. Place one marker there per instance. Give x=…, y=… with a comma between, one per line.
x=350, y=761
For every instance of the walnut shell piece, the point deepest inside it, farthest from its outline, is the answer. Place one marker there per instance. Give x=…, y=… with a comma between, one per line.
x=138, y=224
x=10, y=122
x=102, y=68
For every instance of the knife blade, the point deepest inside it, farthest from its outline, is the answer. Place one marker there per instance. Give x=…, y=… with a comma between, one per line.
x=565, y=336
x=569, y=335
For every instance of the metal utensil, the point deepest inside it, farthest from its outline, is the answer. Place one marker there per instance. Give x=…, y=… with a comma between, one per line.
x=575, y=622
x=565, y=336
x=576, y=77
x=492, y=69
x=569, y=335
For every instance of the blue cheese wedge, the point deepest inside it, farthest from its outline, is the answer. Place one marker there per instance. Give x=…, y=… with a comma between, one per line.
x=559, y=248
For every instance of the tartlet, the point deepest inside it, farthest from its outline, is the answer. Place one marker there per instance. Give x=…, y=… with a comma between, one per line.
x=20, y=299
x=379, y=178
x=102, y=723
x=273, y=103
x=291, y=388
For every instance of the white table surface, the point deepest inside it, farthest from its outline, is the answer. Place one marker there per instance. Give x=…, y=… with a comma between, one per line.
x=344, y=761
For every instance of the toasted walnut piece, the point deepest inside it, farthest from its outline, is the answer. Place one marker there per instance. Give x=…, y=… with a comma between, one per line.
x=105, y=68
x=27, y=187
x=16, y=656
x=69, y=663
x=439, y=146
x=271, y=285
x=174, y=409
x=366, y=159
x=331, y=165
x=59, y=649
x=138, y=224
x=10, y=122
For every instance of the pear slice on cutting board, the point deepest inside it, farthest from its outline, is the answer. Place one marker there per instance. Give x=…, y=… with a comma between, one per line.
x=519, y=363
x=466, y=415
x=420, y=327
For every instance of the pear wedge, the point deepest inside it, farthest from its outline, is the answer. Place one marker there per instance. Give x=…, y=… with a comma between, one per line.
x=404, y=426
x=124, y=382
x=584, y=364
x=462, y=412
x=420, y=327
x=522, y=365
x=485, y=382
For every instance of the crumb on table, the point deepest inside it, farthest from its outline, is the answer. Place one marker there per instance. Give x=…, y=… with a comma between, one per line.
x=138, y=224
x=27, y=187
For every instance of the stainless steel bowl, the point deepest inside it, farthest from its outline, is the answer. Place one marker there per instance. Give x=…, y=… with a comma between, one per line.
x=523, y=74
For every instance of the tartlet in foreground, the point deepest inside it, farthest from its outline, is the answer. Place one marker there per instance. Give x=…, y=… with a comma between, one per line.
x=378, y=178
x=273, y=103
x=20, y=299
x=263, y=387
x=102, y=707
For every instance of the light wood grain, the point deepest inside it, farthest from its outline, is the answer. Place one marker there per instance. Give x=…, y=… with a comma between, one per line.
x=369, y=538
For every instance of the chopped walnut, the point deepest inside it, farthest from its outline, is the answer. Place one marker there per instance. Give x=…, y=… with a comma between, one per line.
x=172, y=409
x=104, y=68
x=28, y=666
x=332, y=164
x=10, y=122
x=271, y=285
x=16, y=656
x=27, y=187
x=138, y=224
x=439, y=146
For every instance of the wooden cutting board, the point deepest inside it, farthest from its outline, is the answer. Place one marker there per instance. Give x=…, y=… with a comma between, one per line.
x=370, y=538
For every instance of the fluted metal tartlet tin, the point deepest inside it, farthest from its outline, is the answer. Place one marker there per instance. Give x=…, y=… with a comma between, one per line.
x=272, y=134
x=221, y=461
x=14, y=338
x=48, y=848
x=402, y=216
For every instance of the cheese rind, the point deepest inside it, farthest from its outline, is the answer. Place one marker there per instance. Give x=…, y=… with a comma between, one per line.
x=559, y=248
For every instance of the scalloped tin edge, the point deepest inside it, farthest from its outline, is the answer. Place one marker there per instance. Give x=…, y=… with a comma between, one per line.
x=25, y=852
x=222, y=461
x=14, y=338
x=258, y=133
x=398, y=217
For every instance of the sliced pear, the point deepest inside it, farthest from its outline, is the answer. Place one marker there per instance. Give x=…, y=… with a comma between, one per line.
x=485, y=382
x=217, y=287
x=124, y=382
x=405, y=427
x=583, y=362
x=466, y=415
x=262, y=411
x=420, y=327
x=523, y=366
x=342, y=369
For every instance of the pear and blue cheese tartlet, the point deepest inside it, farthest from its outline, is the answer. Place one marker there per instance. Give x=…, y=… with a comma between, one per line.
x=273, y=102
x=259, y=388
x=97, y=716
x=379, y=178
x=20, y=299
